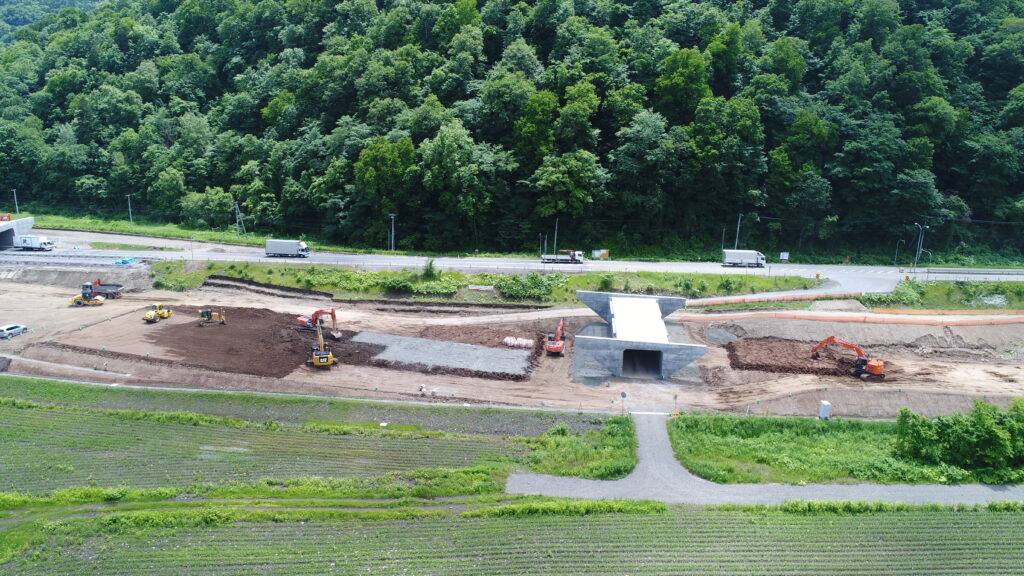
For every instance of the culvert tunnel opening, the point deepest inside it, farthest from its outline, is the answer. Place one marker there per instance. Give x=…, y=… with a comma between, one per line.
x=641, y=363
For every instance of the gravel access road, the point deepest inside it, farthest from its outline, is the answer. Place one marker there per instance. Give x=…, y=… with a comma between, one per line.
x=659, y=476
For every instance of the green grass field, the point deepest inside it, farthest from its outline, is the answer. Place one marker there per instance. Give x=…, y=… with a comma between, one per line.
x=680, y=541
x=415, y=283
x=731, y=449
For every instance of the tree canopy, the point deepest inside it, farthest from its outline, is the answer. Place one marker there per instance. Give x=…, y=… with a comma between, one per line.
x=637, y=123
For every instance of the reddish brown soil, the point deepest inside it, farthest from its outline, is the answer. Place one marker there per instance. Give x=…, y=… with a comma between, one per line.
x=786, y=356
x=478, y=335
x=254, y=341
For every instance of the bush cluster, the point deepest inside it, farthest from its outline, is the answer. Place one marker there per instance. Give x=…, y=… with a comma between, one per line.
x=988, y=440
x=533, y=286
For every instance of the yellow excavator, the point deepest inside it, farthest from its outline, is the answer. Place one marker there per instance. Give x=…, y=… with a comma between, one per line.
x=321, y=356
x=156, y=313
x=208, y=317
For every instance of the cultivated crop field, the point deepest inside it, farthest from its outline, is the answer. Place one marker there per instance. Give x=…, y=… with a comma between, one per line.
x=45, y=450
x=682, y=541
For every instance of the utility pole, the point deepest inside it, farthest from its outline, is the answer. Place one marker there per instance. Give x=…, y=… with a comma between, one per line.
x=15, y=192
x=736, y=244
x=901, y=241
x=131, y=219
x=723, y=238
x=555, y=249
x=540, y=242
x=392, y=215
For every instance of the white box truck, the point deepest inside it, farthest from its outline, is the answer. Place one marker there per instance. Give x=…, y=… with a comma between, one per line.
x=745, y=258
x=33, y=243
x=291, y=248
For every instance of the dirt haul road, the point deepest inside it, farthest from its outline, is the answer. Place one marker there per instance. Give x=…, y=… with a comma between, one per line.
x=111, y=344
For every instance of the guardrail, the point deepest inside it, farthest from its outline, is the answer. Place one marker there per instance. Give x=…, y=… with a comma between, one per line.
x=975, y=271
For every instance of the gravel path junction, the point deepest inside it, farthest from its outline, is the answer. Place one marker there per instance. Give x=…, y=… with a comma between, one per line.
x=659, y=476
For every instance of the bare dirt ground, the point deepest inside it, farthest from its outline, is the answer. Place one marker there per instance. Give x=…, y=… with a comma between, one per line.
x=932, y=370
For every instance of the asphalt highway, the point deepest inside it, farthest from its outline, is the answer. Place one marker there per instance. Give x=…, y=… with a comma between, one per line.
x=73, y=250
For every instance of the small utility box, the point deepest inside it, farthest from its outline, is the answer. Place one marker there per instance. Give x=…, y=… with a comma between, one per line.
x=825, y=410
x=783, y=257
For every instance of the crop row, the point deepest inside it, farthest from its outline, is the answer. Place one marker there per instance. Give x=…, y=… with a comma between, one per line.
x=43, y=450
x=682, y=541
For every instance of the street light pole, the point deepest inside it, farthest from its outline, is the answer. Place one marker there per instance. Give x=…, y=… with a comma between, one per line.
x=901, y=241
x=130, y=218
x=15, y=192
x=392, y=215
x=736, y=244
x=920, y=242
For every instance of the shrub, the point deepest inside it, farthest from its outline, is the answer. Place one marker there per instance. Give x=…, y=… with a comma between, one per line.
x=989, y=439
x=606, y=284
x=397, y=286
x=533, y=286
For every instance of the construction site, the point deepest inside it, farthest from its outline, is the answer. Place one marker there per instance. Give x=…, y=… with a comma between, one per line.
x=267, y=338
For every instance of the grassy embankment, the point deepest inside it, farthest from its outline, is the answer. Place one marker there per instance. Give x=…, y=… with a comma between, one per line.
x=732, y=449
x=120, y=246
x=946, y=295
x=431, y=284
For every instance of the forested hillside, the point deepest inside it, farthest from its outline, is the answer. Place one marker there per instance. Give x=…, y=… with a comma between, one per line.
x=640, y=125
x=15, y=13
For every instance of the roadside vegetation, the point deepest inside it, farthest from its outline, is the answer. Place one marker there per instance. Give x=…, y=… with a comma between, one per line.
x=120, y=246
x=947, y=295
x=431, y=283
x=980, y=447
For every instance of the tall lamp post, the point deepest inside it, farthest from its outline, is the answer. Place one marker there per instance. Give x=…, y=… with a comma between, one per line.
x=392, y=215
x=736, y=244
x=14, y=191
x=920, y=242
x=901, y=241
x=130, y=218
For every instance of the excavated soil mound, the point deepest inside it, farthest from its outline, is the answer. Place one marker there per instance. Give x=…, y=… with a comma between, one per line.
x=254, y=341
x=786, y=356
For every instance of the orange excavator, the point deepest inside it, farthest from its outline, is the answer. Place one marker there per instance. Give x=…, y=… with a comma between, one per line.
x=864, y=368
x=555, y=345
x=315, y=320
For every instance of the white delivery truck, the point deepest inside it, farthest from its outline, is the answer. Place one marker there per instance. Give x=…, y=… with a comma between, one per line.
x=33, y=243
x=563, y=257
x=745, y=258
x=292, y=248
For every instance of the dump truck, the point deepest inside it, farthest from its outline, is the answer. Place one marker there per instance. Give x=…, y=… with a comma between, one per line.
x=747, y=258
x=289, y=248
x=563, y=257
x=33, y=243
x=108, y=291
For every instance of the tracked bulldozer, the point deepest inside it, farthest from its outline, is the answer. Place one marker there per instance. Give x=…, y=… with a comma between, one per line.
x=209, y=317
x=864, y=367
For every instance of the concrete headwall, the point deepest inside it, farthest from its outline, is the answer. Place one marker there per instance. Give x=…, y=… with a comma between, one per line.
x=600, y=344
x=19, y=227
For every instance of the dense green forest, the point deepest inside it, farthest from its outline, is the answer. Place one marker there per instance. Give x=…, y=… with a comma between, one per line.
x=15, y=13
x=641, y=125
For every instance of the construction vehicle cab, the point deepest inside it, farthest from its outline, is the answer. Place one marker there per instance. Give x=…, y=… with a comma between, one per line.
x=88, y=297
x=156, y=313
x=555, y=345
x=864, y=367
x=207, y=317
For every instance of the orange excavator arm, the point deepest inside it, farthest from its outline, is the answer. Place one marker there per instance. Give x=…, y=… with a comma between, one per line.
x=833, y=340
x=316, y=316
